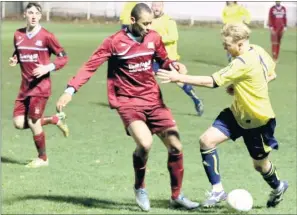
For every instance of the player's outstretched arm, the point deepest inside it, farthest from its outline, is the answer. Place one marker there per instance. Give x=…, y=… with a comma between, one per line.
x=101, y=55
x=174, y=76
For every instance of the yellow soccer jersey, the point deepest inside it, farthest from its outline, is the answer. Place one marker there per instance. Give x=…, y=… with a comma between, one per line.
x=125, y=15
x=167, y=28
x=249, y=74
x=235, y=14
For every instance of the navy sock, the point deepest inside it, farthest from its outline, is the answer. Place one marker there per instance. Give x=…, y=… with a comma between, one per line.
x=210, y=160
x=188, y=89
x=271, y=177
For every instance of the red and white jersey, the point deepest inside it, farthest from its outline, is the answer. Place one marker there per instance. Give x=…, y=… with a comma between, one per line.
x=131, y=80
x=277, y=17
x=32, y=50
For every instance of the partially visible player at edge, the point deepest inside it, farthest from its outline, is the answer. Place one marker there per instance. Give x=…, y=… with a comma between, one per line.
x=167, y=28
x=33, y=47
x=135, y=93
x=250, y=116
x=125, y=16
x=277, y=23
x=235, y=13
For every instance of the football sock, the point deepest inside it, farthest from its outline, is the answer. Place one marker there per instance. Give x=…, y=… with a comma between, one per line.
x=139, y=165
x=176, y=172
x=188, y=89
x=210, y=160
x=40, y=145
x=274, y=50
x=49, y=120
x=271, y=177
x=277, y=50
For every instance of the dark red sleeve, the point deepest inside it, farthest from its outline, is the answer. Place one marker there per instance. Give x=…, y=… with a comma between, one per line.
x=55, y=48
x=161, y=55
x=102, y=54
x=270, y=18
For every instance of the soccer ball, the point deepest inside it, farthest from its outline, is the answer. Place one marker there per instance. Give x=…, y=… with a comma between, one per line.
x=240, y=200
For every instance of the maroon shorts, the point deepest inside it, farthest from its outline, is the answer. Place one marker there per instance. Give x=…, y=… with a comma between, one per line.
x=157, y=118
x=33, y=107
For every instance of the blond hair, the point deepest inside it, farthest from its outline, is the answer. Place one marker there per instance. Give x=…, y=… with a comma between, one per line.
x=236, y=32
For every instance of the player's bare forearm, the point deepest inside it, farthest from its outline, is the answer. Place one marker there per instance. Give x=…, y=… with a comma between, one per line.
x=202, y=81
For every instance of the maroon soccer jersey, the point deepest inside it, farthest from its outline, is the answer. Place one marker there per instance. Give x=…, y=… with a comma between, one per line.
x=277, y=17
x=32, y=50
x=130, y=76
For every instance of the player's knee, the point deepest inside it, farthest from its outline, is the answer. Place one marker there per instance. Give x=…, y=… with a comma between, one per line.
x=258, y=168
x=176, y=149
x=143, y=150
x=262, y=166
x=205, y=142
x=18, y=124
x=33, y=119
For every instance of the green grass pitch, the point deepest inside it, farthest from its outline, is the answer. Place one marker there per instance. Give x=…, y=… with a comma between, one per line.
x=91, y=171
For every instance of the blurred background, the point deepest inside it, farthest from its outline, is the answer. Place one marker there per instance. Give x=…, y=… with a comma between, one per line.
x=183, y=12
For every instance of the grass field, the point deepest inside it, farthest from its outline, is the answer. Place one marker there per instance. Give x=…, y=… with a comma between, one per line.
x=91, y=171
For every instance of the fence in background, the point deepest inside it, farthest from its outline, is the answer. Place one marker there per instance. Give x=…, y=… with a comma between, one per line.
x=190, y=11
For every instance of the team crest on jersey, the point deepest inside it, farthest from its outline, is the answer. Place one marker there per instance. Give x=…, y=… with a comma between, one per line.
x=38, y=43
x=150, y=45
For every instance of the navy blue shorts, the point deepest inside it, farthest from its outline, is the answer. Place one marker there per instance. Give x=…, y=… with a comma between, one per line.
x=259, y=141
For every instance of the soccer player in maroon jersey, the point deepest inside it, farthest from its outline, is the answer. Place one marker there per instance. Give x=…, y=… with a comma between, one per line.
x=277, y=22
x=33, y=48
x=134, y=92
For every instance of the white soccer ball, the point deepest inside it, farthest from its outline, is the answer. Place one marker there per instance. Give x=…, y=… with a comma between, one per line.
x=240, y=200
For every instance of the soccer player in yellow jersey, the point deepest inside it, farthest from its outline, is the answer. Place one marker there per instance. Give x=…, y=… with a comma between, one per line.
x=125, y=16
x=250, y=116
x=167, y=28
x=234, y=13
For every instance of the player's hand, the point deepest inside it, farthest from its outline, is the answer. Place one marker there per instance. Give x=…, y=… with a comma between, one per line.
x=64, y=99
x=40, y=70
x=13, y=61
x=272, y=30
x=285, y=29
x=168, y=76
x=181, y=68
x=230, y=90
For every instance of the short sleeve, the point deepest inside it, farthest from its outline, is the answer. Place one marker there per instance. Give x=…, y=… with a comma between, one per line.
x=235, y=70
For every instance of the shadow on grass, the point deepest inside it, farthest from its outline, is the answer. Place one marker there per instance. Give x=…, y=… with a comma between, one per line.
x=81, y=201
x=224, y=209
x=11, y=161
x=90, y=202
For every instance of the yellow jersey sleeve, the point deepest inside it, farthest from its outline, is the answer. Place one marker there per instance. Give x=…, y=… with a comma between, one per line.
x=172, y=32
x=231, y=73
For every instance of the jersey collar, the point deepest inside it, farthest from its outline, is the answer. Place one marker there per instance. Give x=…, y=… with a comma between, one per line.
x=30, y=35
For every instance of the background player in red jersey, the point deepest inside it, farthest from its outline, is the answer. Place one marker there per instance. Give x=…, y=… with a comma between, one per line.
x=134, y=92
x=33, y=47
x=277, y=22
